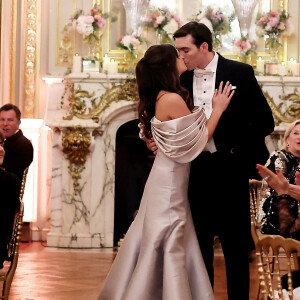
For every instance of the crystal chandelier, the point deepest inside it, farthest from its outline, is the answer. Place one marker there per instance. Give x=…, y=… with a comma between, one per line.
x=244, y=10
x=135, y=11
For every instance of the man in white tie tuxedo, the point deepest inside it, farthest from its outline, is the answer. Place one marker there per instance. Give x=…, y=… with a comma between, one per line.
x=218, y=189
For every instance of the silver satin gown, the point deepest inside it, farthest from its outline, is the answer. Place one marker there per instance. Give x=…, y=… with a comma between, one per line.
x=160, y=256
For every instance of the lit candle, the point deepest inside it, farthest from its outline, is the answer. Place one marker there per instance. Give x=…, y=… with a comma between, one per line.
x=112, y=67
x=289, y=65
x=106, y=63
x=77, y=64
x=295, y=68
x=106, y=58
x=282, y=70
x=260, y=66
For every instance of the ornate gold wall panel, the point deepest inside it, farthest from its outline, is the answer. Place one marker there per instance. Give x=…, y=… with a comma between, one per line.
x=65, y=40
x=31, y=57
x=12, y=88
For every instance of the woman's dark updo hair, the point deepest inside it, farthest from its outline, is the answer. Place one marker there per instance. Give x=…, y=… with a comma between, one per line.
x=155, y=72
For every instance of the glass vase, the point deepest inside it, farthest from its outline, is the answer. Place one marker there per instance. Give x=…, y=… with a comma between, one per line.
x=131, y=59
x=158, y=38
x=91, y=51
x=93, y=42
x=217, y=42
x=246, y=59
x=273, y=45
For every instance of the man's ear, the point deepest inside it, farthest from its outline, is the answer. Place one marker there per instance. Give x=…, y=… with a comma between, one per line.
x=204, y=46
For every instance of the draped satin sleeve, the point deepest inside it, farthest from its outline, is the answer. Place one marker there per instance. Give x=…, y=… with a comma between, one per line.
x=181, y=139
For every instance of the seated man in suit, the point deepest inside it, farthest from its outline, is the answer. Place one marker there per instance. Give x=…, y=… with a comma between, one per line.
x=9, y=204
x=18, y=149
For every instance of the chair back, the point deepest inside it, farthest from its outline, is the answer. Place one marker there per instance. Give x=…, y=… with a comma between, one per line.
x=14, y=244
x=255, y=187
x=23, y=183
x=276, y=255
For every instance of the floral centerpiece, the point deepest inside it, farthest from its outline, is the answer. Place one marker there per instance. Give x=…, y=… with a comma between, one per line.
x=246, y=47
x=132, y=44
x=163, y=22
x=216, y=21
x=90, y=25
x=274, y=24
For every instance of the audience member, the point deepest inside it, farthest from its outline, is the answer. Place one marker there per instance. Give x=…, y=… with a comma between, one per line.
x=278, y=211
x=289, y=222
x=10, y=190
x=18, y=149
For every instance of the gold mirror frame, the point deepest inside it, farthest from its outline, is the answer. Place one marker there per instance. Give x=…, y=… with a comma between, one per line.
x=117, y=54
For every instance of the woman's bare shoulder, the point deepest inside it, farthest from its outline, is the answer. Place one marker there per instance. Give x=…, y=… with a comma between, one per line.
x=170, y=106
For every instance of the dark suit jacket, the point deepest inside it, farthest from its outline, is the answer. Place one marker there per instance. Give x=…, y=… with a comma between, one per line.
x=247, y=120
x=18, y=154
x=9, y=203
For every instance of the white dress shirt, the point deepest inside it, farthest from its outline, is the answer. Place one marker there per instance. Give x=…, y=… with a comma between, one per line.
x=203, y=90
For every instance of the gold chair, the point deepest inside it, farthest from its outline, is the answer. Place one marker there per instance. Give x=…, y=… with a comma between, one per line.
x=276, y=255
x=14, y=244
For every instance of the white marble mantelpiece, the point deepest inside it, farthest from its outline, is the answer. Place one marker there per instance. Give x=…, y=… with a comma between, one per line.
x=87, y=220
x=276, y=88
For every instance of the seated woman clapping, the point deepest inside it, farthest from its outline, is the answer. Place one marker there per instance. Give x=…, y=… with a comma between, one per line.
x=275, y=209
x=9, y=204
x=289, y=223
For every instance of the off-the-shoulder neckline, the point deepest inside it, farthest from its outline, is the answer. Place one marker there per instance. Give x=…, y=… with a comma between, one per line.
x=196, y=109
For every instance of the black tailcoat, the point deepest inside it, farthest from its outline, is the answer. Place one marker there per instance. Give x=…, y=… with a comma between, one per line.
x=218, y=186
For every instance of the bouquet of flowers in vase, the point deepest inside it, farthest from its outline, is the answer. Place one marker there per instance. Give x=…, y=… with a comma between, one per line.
x=216, y=21
x=163, y=22
x=133, y=45
x=246, y=47
x=130, y=43
x=89, y=24
x=274, y=24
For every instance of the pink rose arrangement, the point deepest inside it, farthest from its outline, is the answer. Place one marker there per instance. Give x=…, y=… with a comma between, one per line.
x=246, y=46
x=163, y=22
x=89, y=24
x=216, y=21
x=274, y=24
x=130, y=42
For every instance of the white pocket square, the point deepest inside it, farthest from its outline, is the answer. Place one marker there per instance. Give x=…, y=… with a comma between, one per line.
x=233, y=87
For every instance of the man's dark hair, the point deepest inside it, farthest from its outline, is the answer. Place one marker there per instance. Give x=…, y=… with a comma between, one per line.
x=199, y=32
x=7, y=107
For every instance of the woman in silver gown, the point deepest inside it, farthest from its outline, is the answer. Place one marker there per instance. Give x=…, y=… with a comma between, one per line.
x=160, y=257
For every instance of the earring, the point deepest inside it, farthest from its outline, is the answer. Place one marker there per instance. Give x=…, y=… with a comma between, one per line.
x=287, y=144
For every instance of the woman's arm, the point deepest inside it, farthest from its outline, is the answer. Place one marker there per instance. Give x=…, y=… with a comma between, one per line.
x=279, y=183
x=288, y=225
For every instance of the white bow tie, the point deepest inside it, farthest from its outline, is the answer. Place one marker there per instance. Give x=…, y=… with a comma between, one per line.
x=201, y=72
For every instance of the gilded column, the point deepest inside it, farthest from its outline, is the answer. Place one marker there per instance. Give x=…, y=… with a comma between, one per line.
x=31, y=57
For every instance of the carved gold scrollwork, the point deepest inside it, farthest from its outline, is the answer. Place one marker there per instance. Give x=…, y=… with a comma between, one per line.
x=77, y=102
x=291, y=113
x=65, y=48
x=126, y=91
x=76, y=142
